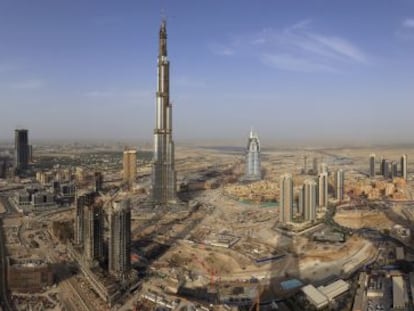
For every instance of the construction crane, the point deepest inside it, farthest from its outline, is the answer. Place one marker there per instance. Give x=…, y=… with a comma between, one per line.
x=213, y=273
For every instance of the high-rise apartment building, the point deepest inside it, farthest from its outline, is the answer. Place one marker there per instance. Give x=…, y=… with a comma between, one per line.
x=119, y=257
x=93, y=233
x=21, y=150
x=323, y=190
x=308, y=200
x=163, y=170
x=253, y=168
x=286, y=198
x=129, y=165
x=315, y=166
x=82, y=201
x=372, y=165
x=339, y=184
x=386, y=168
x=323, y=168
x=98, y=181
x=394, y=169
x=404, y=166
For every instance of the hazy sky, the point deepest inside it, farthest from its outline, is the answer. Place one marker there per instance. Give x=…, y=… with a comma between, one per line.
x=300, y=71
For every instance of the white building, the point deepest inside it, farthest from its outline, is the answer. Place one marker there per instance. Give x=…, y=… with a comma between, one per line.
x=253, y=167
x=315, y=297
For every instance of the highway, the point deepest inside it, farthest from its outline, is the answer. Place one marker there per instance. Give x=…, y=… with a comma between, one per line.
x=5, y=303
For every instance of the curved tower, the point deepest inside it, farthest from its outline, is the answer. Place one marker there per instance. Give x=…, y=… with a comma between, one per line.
x=163, y=172
x=253, y=168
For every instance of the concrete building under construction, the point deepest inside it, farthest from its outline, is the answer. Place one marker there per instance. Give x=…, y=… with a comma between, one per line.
x=163, y=169
x=82, y=201
x=93, y=233
x=119, y=257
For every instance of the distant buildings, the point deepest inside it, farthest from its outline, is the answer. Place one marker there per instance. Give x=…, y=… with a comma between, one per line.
x=3, y=167
x=315, y=166
x=21, y=150
x=389, y=169
x=323, y=190
x=394, y=169
x=129, y=165
x=404, y=166
x=286, y=198
x=163, y=170
x=119, y=261
x=98, y=181
x=307, y=200
x=323, y=168
x=372, y=165
x=253, y=168
x=386, y=168
x=339, y=184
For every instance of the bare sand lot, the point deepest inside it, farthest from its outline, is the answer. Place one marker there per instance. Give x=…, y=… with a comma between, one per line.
x=360, y=219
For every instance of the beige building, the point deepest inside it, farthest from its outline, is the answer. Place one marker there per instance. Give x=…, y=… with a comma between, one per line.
x=286, y=198
x=129, y=167
x=323, y=189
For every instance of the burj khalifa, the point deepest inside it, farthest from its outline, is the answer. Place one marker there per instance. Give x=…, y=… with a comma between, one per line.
x=163, y=171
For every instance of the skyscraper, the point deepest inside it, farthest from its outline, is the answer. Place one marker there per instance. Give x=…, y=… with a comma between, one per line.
x=163, y=171
x=253, y=169
x=394, y=169
x=129, y=165
x=383, y=163
x=404, y=166
x=119, y=261
x=315, y=166
x=372, y=165
x=286, y=198
x=323, y=168
x=21, y=149
x=82, y=201
x=3, y=167
x=98, y=181
x=386, y=168
x=323, y=190
x=339, y=184
x=308, y=194
x=93, y=233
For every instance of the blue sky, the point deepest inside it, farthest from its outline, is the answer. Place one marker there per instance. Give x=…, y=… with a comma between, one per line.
x=298, y=71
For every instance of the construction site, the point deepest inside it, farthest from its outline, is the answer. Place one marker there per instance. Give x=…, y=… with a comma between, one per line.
x=223, y=247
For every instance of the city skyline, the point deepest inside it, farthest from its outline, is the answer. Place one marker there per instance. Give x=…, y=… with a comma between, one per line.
x=260, y=65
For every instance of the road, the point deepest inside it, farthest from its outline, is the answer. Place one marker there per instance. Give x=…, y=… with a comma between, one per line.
x=3, y=270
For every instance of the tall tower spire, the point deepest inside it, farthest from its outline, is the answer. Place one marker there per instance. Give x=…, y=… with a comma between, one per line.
x=163, y=39
x=163, y=172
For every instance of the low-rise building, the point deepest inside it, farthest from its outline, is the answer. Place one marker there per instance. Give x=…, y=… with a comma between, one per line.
x=334, y=289
x=315, y=297
x=42, y=199
x=28, y=275
x=399, y=294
